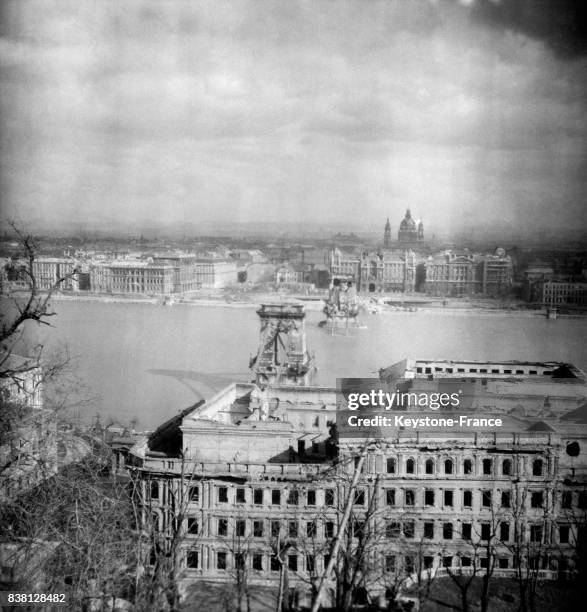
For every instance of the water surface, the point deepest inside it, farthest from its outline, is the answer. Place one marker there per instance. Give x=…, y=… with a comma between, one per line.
x=148, y=361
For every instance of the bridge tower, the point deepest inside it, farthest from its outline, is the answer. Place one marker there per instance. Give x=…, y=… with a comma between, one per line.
x=282, y=357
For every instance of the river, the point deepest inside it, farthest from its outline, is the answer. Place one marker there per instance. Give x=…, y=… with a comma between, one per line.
x=148, y=362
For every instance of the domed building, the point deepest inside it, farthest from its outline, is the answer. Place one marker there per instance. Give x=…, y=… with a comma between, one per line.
x=411, y=233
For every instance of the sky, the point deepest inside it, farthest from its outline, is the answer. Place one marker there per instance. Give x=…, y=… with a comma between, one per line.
x=337, y=113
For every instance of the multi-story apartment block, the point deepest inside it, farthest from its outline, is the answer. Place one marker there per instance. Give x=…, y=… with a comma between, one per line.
x=497, y=273
x=267, y=480
x=141, y=277
x=185, y=271
x=216, y=273
x=390, y=270
x=452, y=274
x=558, y=293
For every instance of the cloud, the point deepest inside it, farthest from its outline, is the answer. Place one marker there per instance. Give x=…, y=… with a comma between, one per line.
x=215, y=110
x=561, y=25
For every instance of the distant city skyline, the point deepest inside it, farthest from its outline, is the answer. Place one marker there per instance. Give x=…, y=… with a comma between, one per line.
x=340, y=114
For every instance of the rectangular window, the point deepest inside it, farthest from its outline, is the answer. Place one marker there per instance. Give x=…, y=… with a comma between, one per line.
x=506, y=499
x=582, y=502
x=535, y=533
x=240, y=560
x=257, y=561
x=409, y=529
x=222, y=527
x=486, y=499
x=448, y=498
x=466, y=531
x=447, y=531
x=390, y=563
x=192, y=525
x=410, y=496
x=536, y=499
x=465, y=561
x=429, y=531
x=292, y=529
x=221, y=560
x=390, y=465
x=504, y=532
x=310, y=563
x=222, y=495
x=194, y=493
x=467, y=466
x=275, y=528
x=311, y=529
x=392, y=530
x=240, y=496
x=503, y=563
x=360, y=497
x=154, y=489
x=274, y=564
x=329, y=497
x=487, y=466
x=567, y=499
x=390, y=497
x=193, y=559
x=276, y=497
x=293, y=497
x=292, y=563
x=537, y=467
x=258, y=496
x=429, y=497
x=257, y=529
x=485, y=531
x=329, y=529
x=311, y=497
x=563, y=534
x=240, y=528
x=467, y=499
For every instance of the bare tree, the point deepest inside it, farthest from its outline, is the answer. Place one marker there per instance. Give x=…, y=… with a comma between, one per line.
x=163, y=508
x=74, y=533
x=28, y=304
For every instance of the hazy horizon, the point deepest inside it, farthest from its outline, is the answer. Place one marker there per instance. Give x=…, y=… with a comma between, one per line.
x=339, y=114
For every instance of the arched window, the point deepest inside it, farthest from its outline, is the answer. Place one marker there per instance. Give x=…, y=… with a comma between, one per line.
x=467, y=466
x=429, y=466
x=391, y=465
x=448, y=466
x=410, y=466
x=506, y=467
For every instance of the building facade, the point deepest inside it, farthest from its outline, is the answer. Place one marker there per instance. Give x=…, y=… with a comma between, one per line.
x=49, y=271
x=134, y=277
x=270, y=482
x=451, y=274
x=388, y=270
x=558, y=293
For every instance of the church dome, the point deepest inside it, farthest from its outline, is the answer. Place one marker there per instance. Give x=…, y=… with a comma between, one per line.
x=407, y=224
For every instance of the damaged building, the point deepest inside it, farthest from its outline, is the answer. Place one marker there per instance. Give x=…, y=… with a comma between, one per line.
x=263, y=477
